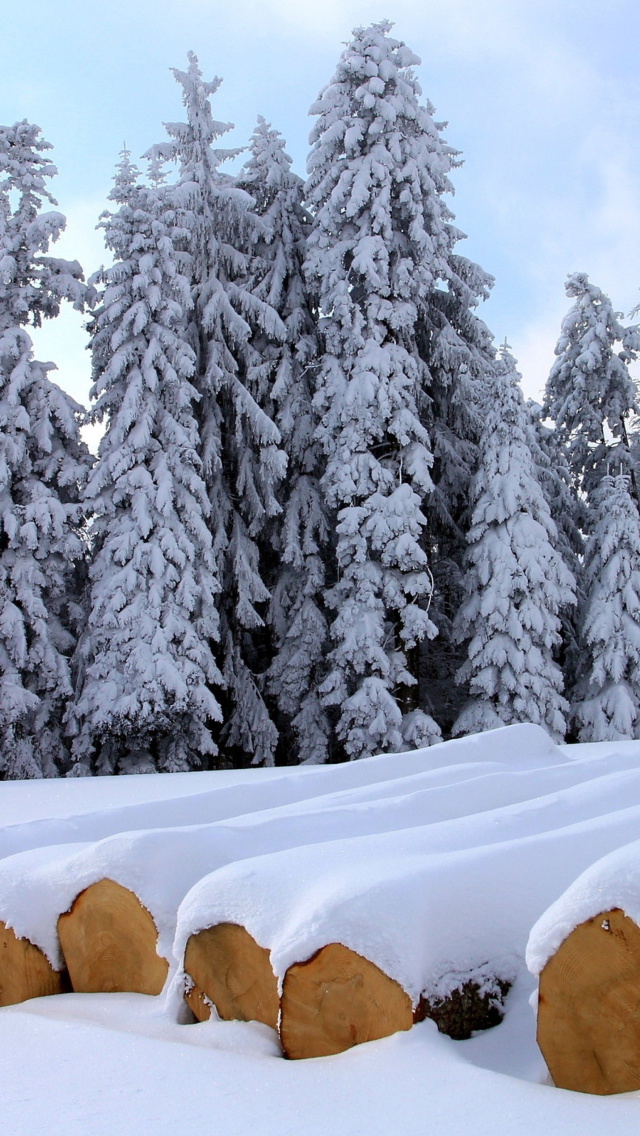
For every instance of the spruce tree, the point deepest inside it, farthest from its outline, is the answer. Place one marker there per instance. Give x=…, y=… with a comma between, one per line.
x=145, y=701
x=569, y=513
x=590, y=389
x=295, y=546
x=457, y=350
x=515, y=583
x=374, y=251
x=42, y=465
x=607, y=704
x=243, y=462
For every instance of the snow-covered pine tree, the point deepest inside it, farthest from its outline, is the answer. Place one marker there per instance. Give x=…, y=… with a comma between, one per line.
x=295, y=545
x=243, y=462
x=607, y=705
x=373, y=255
x=457, y=348
x=515, y=583
x=43, y=463
x=569, y=513
x=568, y=509
x=145, y=700
x=589, y=389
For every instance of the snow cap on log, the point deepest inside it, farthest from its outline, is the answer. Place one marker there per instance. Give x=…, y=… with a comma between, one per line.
x=611, y=882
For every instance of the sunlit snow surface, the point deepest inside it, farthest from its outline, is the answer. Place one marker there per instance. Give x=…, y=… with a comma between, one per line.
x=499, y=825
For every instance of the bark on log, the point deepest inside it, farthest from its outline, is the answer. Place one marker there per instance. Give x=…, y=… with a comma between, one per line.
x=468, y=1008
x=338, y=999
x=25, y=972
x=228, y=969
x=589, y=1007
x=109, y=942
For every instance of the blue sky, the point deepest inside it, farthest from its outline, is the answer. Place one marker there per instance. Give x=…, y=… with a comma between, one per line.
x=541, y=97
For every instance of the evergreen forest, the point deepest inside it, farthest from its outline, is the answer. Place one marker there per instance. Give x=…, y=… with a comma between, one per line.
x=322, y=522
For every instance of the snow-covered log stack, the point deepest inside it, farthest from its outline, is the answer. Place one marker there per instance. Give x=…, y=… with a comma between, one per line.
x=354, y=934
x=441, y=912
x=115, y=902
x=415, y=899
x=586, y=950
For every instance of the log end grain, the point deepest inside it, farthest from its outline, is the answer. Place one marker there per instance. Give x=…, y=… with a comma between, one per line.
x=589, y=1007
x=338, y=999
x=227, y=968
x=25, y=972
x=109, y=942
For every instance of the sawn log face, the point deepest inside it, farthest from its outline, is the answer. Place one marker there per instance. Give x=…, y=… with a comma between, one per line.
x=589, y=1007
x=25, y=972
x=109, y=942
x=229, y=969
x=338, y=999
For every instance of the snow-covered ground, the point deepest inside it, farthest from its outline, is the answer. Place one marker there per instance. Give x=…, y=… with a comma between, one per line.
x=435, y=864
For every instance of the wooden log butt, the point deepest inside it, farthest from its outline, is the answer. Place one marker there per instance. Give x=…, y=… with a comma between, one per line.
x=109, y=942
x=589, y=1007
x=25, y=972
x=338, y=999
x=229, y=969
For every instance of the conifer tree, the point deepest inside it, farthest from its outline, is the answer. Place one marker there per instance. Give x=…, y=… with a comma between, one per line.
x=590, y=389
x=457, y=350
x=373, y=254
x=515, y=583
x=569, y=513
x=295, y=546
x=42, y=465
x=243, y=462
x=607, y=705
x=146, y=669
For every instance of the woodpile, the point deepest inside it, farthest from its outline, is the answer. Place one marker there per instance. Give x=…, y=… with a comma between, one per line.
x=589, y=1007
x=226, y=968
x=338, y=999
x=332, y=1001
x=25, y=972
x=109, y=942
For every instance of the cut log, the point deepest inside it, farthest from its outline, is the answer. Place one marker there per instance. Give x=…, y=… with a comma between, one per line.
x=109, y=942
x=25, y=972
x=589, y=1007
x=228, y=969
x=338, y=999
